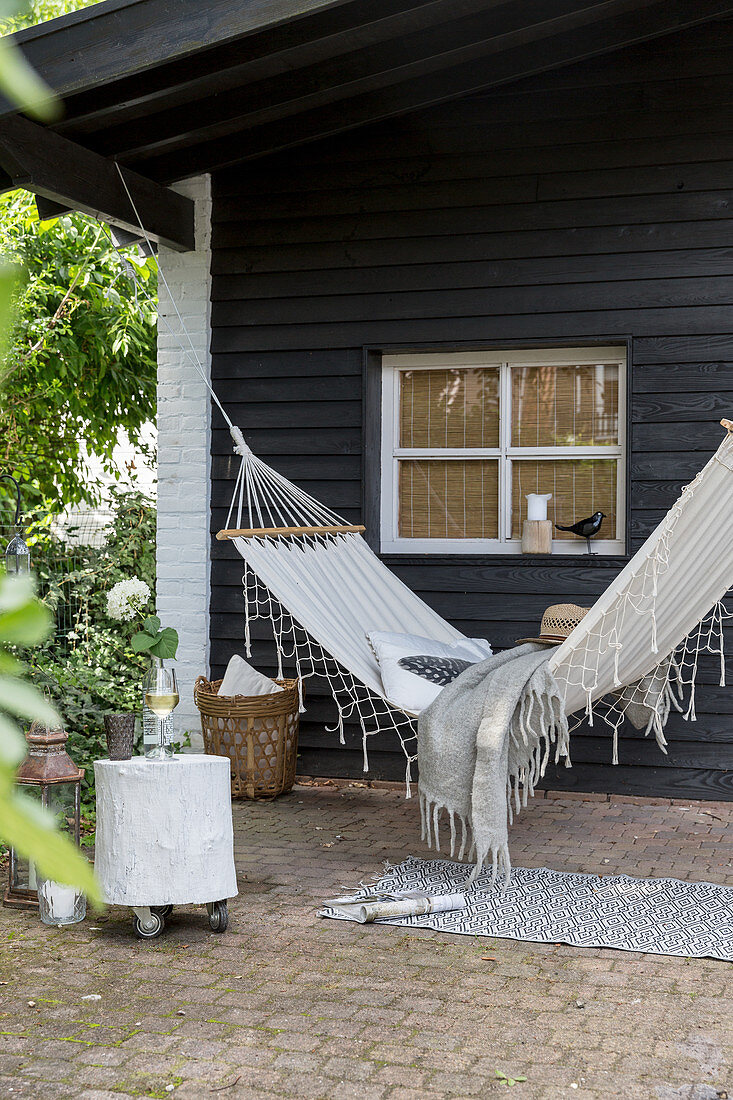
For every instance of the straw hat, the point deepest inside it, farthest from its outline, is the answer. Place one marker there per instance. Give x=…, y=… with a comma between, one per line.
x=558, y=622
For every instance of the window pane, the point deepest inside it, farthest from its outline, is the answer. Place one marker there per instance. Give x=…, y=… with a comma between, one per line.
x=579, y=488
x=565, y=406
x=449, y=408
x=449, y=499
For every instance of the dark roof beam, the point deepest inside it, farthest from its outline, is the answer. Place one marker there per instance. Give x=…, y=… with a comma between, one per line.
x=623, y=23
x=125, y=38
x=479, y=30
x=48, y=209
x=218, y=71
x=72, y=177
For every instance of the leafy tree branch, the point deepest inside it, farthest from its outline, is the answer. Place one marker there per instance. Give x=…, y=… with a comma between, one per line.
x=82, y=355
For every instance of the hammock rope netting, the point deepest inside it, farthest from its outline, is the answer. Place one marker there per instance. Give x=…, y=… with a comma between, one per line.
x=352, y=698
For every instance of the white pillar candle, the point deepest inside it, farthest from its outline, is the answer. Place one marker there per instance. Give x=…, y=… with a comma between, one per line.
x=537, y=505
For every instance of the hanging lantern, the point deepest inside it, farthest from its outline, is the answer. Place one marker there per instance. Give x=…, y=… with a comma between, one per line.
x=17, y=554
x=49, y=775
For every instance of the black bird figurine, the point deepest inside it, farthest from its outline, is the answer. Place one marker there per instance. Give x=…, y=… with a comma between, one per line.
x=585, y=528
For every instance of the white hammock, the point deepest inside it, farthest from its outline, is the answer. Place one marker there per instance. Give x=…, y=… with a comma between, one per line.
x=315, y=578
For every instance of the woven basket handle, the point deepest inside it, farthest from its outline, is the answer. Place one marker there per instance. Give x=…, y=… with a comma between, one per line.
x=201, y=684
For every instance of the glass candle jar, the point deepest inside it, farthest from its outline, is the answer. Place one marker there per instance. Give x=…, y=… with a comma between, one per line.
x=59, y=904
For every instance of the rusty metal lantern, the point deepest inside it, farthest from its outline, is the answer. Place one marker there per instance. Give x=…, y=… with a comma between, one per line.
x=49, y=775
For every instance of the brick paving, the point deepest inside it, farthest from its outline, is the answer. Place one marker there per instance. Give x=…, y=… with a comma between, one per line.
x=287, y=1005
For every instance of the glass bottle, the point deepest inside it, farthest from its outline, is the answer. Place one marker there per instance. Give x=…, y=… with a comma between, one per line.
x=156, y=731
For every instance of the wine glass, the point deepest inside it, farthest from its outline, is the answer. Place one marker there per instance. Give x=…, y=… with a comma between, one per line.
x=160, y=691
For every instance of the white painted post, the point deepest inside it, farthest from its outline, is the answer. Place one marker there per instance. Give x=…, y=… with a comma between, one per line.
x=183, y=545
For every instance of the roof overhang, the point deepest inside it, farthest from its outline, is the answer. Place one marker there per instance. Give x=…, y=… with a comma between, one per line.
x=172, y=90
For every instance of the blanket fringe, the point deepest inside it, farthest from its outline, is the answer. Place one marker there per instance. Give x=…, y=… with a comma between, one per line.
x=542, y=724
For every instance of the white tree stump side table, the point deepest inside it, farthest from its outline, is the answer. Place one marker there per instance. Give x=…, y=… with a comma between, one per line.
x=165, y=838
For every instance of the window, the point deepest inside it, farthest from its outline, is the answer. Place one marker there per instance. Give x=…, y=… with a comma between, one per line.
x=466, y=436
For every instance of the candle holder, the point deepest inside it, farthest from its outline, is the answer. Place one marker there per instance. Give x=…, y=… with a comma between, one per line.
x=537, y=528
x=49, y=775
x=120, y=731
x=59, y=905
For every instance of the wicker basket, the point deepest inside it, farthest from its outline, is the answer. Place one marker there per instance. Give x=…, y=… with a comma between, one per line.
x=259, y=734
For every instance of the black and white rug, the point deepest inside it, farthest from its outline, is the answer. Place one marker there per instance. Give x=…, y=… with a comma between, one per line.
x=662, y=916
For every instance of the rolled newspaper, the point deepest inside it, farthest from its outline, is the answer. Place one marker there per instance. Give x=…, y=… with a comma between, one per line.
x=386, y=906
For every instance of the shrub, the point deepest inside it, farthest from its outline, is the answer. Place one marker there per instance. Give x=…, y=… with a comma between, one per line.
x=91, y=670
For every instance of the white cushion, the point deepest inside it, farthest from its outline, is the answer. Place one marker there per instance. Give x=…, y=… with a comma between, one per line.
x=241, y=679
x=412, y=688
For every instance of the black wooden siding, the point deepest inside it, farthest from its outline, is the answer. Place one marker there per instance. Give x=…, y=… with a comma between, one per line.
x=592, y=204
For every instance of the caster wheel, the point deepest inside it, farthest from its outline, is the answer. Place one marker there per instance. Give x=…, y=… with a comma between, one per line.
x=162, y=910
x=152, y=929
x=218, y=916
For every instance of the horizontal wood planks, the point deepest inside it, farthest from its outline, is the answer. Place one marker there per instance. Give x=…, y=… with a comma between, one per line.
x=526, y=215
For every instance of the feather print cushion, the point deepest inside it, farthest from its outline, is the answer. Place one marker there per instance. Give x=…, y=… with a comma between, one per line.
x=414, y=669
x=438, y=670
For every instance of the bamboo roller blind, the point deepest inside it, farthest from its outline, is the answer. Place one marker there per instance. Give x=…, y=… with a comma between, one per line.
x=564, y=406
x=449, y=500
x=579, y=488
x=450, y=408
x=458, y=408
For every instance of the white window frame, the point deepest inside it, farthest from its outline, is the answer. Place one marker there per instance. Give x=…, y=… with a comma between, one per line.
x=505, y=453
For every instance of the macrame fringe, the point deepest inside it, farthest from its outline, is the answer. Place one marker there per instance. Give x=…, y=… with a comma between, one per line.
x=671, y=686
x=353, y=699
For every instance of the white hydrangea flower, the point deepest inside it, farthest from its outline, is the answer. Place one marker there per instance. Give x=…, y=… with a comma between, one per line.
x=126, y=598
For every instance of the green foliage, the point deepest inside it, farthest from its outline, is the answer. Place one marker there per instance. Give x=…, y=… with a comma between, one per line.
x=151, y=639
x=15, y=17
x=81, y=365
x=506, y=1079
x=24, y=621
x=92, y=671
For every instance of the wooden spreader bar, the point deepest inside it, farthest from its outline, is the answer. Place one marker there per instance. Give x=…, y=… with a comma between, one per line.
x=254, y=532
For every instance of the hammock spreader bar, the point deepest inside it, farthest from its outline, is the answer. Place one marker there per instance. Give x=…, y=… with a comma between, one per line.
x=284, y=532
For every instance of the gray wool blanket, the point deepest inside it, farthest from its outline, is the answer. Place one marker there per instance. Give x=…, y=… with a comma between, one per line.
x=483, y=743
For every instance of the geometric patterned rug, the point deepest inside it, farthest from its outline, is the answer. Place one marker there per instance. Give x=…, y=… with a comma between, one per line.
x=663, y=916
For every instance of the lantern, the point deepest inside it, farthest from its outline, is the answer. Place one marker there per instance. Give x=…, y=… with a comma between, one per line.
x=49, y=775
x=17, y=554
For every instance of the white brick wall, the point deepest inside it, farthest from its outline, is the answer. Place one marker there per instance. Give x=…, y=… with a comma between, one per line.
x=183, y=456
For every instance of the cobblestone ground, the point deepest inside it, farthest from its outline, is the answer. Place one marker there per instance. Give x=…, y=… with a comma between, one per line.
x=287, y=1005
